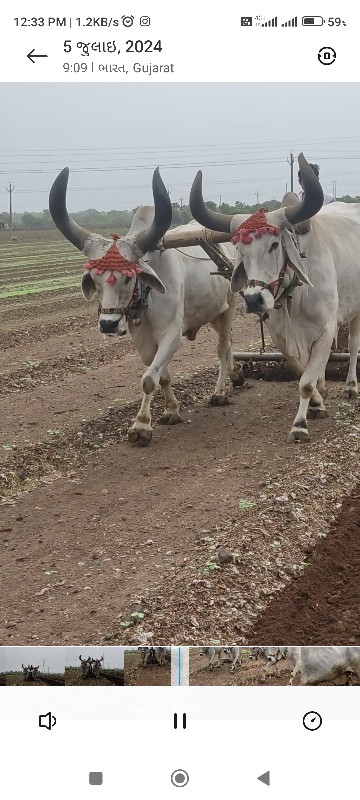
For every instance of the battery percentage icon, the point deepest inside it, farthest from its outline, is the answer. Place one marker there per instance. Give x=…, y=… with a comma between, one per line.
x=312, y=21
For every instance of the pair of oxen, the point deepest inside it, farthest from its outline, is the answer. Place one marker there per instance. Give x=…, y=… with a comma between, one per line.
x=296, y=267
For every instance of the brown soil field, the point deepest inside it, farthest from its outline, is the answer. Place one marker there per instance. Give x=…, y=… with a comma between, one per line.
x=152, y=675
x=102, y=541
x=17, y=679
x=251, y=672
x=108, y=677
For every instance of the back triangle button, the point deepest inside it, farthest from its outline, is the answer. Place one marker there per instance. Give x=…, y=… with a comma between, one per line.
x=265, y=778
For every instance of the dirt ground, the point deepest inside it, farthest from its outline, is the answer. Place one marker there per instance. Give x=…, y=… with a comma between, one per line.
x=17, y=679
x=109, y=677
x=325, y=599
x=251, y=672
x=102, y=541
x=152, y=675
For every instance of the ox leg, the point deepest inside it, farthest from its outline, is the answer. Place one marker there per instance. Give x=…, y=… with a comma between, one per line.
x=316, y=408
x=352, y=389
x=141, y=431
x=222, y=326
x=321, y=385
x=316, y=365
x=171, y=415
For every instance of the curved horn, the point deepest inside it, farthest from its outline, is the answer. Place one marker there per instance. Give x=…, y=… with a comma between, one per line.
x=206, y=217
x=148, y=240
x=313, y=195
x=57, y=207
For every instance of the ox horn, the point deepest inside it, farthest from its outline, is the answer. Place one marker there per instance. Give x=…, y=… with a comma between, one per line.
x=209, y=219
x=57, y=206
x=313, y=195
x=149, y=240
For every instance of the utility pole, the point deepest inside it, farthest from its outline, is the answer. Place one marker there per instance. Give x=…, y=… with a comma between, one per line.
x=257, y=198
x=10, y=190
x=334, y=188
x=291, y=162
x=181, y=210
x=220, y=201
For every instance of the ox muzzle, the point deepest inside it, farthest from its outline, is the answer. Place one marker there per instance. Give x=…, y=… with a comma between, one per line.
x=112, y=321
x=260, y=296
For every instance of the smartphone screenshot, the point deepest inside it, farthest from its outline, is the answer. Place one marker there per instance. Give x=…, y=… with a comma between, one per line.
x=179, y=399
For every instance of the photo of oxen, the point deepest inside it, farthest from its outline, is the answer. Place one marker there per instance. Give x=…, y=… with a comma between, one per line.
x=148, y=666
x=179, y=339
x=274, y=666
x=2, y=666
x=35, y=666
x=94, y=666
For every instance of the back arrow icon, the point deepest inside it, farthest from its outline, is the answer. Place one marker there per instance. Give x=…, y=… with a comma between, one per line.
x=33, y=55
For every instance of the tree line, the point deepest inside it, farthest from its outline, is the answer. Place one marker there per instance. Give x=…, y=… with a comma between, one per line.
x=91, y=218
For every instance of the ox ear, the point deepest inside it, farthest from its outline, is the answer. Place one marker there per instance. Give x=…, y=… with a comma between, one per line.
x=294, y=258
x=88, y=287
x=149, y=277
x=238, y=278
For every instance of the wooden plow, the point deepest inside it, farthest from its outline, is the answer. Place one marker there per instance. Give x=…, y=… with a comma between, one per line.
x=209, y=241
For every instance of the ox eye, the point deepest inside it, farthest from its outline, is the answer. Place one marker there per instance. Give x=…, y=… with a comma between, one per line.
x=274, y=246
x=127, y=279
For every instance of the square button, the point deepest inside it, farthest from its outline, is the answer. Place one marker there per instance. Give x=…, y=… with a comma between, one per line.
x=95, y=778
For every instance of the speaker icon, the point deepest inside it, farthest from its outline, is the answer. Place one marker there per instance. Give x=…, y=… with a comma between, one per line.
x=47, y=721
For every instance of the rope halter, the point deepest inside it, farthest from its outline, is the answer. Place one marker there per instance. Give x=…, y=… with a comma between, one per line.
x=258, y=226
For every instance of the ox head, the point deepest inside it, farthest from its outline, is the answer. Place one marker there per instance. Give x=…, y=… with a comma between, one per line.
x=263, y=240
x=115, y=268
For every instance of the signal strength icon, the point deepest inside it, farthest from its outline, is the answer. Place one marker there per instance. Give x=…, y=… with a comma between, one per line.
x=291, y=23
x=271, y=23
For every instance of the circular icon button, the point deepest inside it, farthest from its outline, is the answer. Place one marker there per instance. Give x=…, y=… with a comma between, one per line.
x=326, y=56
x=180, y=778
x=312, y=721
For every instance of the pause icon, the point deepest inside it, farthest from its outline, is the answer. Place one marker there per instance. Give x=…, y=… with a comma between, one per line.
x=271, y=23
x=291, y=23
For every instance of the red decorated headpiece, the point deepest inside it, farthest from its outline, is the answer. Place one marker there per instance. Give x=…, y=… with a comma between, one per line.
x=256, y=224
x=113, y=261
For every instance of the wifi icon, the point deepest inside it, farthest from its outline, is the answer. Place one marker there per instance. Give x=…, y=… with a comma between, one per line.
x=271, y=23
x=291, y=23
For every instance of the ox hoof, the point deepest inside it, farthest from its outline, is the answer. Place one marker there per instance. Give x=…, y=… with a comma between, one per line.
x=219, y=400
x=140, y=436
x=170, y=418
x=298, y=436
x=239, y=380
x=317, y=413
x=351, y=393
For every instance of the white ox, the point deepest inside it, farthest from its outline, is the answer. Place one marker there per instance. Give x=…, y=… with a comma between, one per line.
x=329, y=664
x=183, y=296
x=96, y=666
x=268, y=264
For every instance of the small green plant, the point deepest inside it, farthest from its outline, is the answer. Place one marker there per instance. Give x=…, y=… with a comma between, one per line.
x=137, y=615
x=244, y=504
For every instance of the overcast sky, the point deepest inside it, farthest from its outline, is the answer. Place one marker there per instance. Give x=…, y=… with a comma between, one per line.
x=47, y=658
x=113, y=656
x=113, y=136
